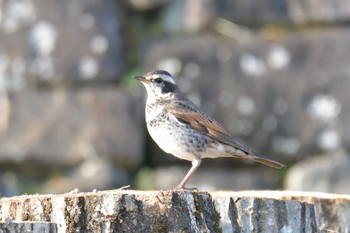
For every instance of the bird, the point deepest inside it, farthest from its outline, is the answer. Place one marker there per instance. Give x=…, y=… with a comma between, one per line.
x=182, y=129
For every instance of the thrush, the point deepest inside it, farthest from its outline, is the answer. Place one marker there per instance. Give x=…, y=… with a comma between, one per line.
x=182, y=129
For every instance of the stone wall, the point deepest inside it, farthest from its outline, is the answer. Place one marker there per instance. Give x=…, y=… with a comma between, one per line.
x=274, y=73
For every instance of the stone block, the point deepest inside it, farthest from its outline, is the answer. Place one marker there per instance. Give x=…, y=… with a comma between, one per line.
x=327, y=173
x=63, y=127
x=59, y=41
x=302, y=11
x=194, y=16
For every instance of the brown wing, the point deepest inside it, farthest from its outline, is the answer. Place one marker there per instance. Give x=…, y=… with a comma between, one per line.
x=205, y=124
x=190, y=114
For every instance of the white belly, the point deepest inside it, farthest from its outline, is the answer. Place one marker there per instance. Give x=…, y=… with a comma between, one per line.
x=179, y=139
x=170, y=142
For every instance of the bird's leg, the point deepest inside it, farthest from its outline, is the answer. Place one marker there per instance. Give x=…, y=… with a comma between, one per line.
x=195, y=165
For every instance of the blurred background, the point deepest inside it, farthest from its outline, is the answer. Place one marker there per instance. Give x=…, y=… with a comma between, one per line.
x=275, y=73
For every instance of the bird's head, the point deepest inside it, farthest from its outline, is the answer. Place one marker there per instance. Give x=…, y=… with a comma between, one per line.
x=159, y=84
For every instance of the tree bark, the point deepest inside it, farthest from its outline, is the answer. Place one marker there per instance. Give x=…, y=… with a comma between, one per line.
x=332, y=210
x=175, y=211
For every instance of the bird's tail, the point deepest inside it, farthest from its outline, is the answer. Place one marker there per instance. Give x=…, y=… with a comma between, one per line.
x=266, y=161
x=245, y=153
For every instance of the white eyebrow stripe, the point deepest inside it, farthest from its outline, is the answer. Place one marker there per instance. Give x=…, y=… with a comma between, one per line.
x=167, y=78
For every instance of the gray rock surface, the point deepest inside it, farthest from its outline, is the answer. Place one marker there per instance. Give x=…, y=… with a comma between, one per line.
x=195, y=16
x=63, y=127
x=59, y=41
x=302, y=11
x=326, y=173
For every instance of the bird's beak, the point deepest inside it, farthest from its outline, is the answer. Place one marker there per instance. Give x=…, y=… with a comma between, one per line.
x=140, y=78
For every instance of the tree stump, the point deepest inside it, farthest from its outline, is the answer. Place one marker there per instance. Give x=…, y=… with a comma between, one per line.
x=175, y=211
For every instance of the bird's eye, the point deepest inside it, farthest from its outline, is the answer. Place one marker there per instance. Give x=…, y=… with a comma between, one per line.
x=158, y=80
